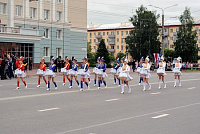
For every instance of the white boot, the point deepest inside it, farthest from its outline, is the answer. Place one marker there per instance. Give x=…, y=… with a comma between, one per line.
x=38, y=85
x=175, y=83
x=165, y=85
x=144, y=87
x=122, y=89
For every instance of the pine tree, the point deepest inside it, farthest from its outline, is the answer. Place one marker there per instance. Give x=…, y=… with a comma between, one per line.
x=185, y=45
x=143, y=40
x=103, y=52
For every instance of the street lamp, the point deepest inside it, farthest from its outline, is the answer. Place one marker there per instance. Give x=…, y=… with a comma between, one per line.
x=163, y=9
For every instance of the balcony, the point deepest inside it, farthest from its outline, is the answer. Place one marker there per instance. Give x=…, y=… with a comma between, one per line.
x=175, y=33
x=98, y=36
x=111, y=42
x=19, y=33
x=111, y=36
x=111, y=50
x=97, y=43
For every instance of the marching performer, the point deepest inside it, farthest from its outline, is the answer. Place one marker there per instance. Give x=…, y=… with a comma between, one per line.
x=95, y=75
x=20, y=67
x=52, y=67
x=161, y=72
x=84, y=66
x=116, y=75
x=67, y=66
x=177, y=71
x=43, y=68
x=125, y=76
x=101, y=77
x=74, y=68
x=88, y=72
x=145, y=72
x=138, y=70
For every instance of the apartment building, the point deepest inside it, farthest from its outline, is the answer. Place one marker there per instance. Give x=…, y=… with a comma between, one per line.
x=43, y=28
x=115, y=34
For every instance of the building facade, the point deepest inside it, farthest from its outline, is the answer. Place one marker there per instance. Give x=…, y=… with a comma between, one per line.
x=114, y=36
x=43, y=28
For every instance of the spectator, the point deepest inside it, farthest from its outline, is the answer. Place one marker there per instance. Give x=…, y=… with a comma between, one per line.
x=30, y=64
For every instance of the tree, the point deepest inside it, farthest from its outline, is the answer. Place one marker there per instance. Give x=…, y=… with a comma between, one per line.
x=169, y=54
x=120, y=55
x=90, y=55
x=143, y=41
x=185, y=45
x=103, y=52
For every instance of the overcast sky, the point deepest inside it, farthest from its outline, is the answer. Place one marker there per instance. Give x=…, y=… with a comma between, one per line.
x=116, y=11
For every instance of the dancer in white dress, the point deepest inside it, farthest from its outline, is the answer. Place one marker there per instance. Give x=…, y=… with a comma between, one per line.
x=177, y=71
x=145, y=72
x=161, y=72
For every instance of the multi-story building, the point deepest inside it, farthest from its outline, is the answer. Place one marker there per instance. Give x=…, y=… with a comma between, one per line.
x=115, y=34
x=43, y=28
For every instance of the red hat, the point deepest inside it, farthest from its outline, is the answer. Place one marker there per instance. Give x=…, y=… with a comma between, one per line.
x=43, y=60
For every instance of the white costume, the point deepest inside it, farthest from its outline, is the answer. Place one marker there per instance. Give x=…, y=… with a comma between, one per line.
x=145, y=68
x=161, y=69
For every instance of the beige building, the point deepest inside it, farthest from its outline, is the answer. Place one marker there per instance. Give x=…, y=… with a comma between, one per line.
x=115, y=34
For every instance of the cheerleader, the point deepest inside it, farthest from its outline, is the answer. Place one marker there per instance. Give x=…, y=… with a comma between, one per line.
x=146, y=67
x=84, y=66
x=52, y=67
x=161, y=75
x=138, y=70
x=177, y=72
x=116, y=75
x=20, y=66
x=95, y=75
x=74, y=68
x=126, y=69
x=43, y=68
x=101, y=78
x=67, y=66
x=122, y=62
x=88, y=72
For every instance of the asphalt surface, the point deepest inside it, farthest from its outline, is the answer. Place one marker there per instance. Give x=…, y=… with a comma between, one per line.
x=105, y=111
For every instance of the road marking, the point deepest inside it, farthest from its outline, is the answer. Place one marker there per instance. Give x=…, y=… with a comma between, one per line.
x=155, y=93
x=75, y=91
x=160, y=116
x=128, y=118
x=192, y=88
x=50, y=109
x=112, y=100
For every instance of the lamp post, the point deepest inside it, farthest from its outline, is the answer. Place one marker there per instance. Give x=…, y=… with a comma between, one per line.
x=163, y=10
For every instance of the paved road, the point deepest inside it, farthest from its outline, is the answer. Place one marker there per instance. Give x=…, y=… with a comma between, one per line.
x=105, y=111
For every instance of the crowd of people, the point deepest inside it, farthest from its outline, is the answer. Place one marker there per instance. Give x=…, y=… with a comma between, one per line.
x=82, y=75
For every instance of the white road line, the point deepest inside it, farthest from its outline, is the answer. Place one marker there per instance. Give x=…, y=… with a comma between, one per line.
x=112, y=100
x=192, y=88
x=155, y=93
x=160, y=116
x=50, y=109
x=67, y=92
x=128, y=118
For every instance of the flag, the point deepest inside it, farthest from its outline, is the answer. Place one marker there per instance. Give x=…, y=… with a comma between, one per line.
x=157, y=58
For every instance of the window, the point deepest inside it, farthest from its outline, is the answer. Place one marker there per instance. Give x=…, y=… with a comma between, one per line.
x=107, y=33
x=94, y=34
x=159, y=38
x=112, y=47
x=126, y=32
x=2, y=8
x=107, y=47
x=95, y=48
x=171, y=46
x=46, y=14
x=122, y=40
x=46, y=51
x=171, y=30
x=18, y=10
x=59, y=16
x=99, y=33
x=122, y=33
x=166, y=30
x=117, y=39
x=46, y=33
x=90, y=40
x=177, y=29
x=59, y=1
x=59, y=34
x=33, y=12
x=90, y=35
x=117, y=47
x=59, y=52
x=117, y=32
x=94, y=40
x=172, y=38
x=103, y=33
x=122, y=47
